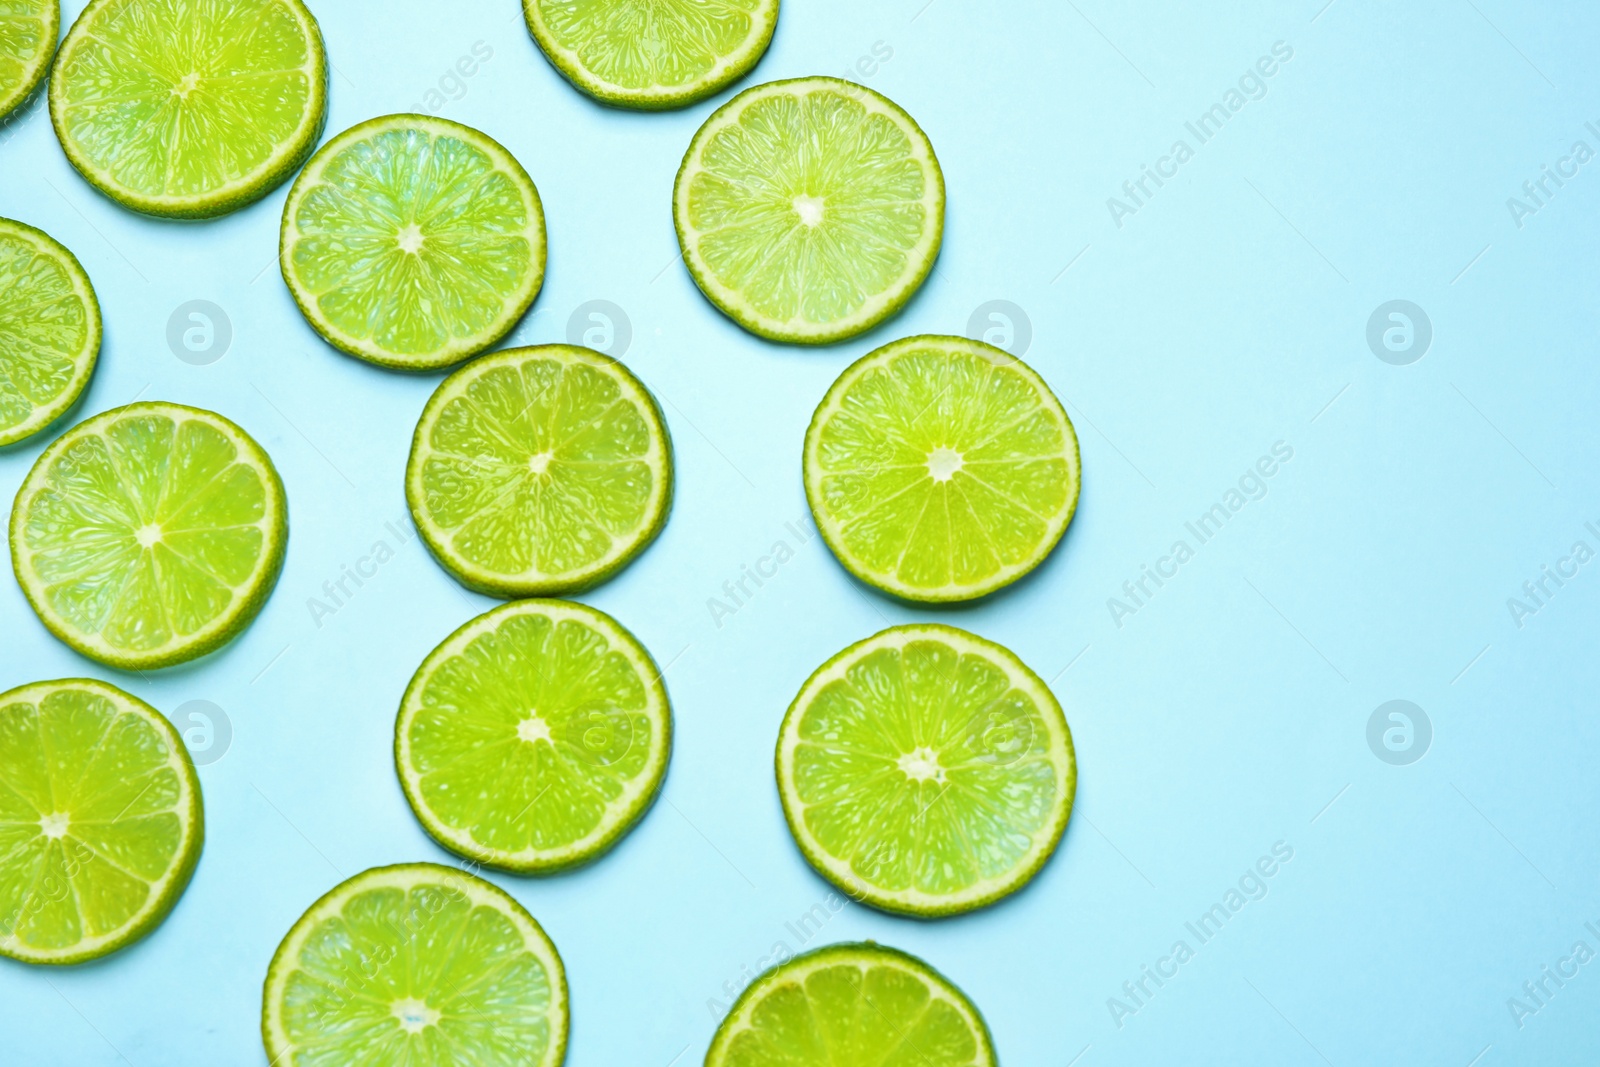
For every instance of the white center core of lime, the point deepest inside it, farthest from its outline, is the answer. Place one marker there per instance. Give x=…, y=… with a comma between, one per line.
x=943, y=463
x=410, y=238
x=190, y=82
x=413, y=1014
x=54, y=825
x=809, y=208
x=539, y=463
x=533, y=729
x=147, y=535
x=922, y=765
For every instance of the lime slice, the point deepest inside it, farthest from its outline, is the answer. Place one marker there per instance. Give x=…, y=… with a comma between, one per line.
x=848, y=1006
x=100, y=820
x=149, y=534
x=652, y=55
x=28, y=31
x=413, y=242
x=539, y=470
x=420, y=965
x=926, y=771
x=189, y=108
x=939, y=468
x=49, y=329
x=534, y=737
x=809, y=210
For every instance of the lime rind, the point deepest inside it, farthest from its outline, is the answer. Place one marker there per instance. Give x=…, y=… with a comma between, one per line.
x=623, y=813
x=515, y=300
x=832, y=529
x=877, y=306
x=984, y=891
x=189, y=807
x=83, y=360
x=284, y=159
x=723, y=71
x=31, y=72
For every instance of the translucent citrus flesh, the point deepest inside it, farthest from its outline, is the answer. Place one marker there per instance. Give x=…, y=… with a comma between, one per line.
x=145, y=527
x=27, y=37
x=942, y=468
x=542, y=464
x=96, y=816
x=541, y=736
x=812, y=207
x=645, y=44
x=415, y=966
x=850, y=1005
x=49, y=331
x=187, y=98
x=416, y=238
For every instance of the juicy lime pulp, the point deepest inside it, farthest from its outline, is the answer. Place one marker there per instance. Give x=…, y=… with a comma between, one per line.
x=28, y=30
x=49, y=330
x=413, y=242
x=848, y=1005
x=939, y=468
x=149, y=534
x=655, y=53
x=539, y=470
x=100, y=820
x=189, y=108
x=420, y=965
x=809, y=210
x=926, y=771
x=534, y=737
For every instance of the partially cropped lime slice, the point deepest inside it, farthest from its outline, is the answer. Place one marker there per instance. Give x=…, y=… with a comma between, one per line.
x=939, y=468
x=28, y=30
x=49, y=329
x=189, y=108
x=413, y=242
x=100, y=820
x=926, y=771
x=652, y=53
x=539, y=470
x=420, y=965
x=149, y=534
x=809, y=210
x=851, y=1005
x=534, y=737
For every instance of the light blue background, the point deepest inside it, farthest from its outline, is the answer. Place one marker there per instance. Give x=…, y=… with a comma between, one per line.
x=1228, y=714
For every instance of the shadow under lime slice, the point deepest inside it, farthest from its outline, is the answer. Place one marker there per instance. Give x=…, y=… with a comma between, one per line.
x=413, y=242
x=852, y=1004
x=189, y=108
x=416, y=964
x=534, y=737
x=49, y=330
x=149, y=534
x=926, y=771
x=940, y=469
x=28, y=31
x=662, y=54
x=100, y=820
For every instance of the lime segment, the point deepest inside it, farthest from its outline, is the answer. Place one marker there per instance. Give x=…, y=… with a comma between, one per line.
x=100, y=820
x=926, y=771
x=809, y=210
x=149, y=534
x=413, y=242
x=28, y=31
x=941, y=469
x=189, y=108
x=49, y=330
x=534, y=737
x=420, y=965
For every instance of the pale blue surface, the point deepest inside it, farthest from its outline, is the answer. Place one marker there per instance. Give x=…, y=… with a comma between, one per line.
x=1221, y=718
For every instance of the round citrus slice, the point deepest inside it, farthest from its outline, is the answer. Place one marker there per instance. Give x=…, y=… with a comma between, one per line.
x=848, y=1005
x=653, y=54
x=809, y=210
x=534, y=737
x=149, y=534
x=100, y=820
x=28, y=31
x=189, y=108
x=49, y=329
x=539, y=470
x=413, y=242
x=420, y=965
x=940, y=469
x=926, y=771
